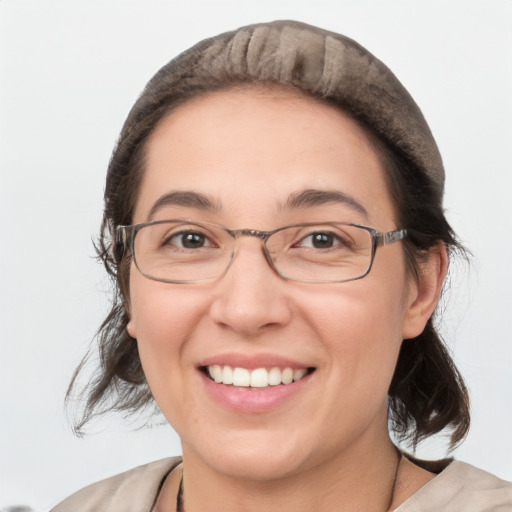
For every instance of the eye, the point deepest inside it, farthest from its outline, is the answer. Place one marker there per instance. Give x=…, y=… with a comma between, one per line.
x=321, y=240
x=189, y=240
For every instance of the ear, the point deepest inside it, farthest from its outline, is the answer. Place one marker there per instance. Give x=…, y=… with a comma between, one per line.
x=131, y=327
x=425, y=291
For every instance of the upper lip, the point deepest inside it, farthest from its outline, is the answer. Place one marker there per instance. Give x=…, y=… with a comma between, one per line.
x=251, y=362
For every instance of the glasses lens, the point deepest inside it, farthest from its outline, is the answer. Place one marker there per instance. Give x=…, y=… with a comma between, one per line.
x=321, y=252
x=182, y=251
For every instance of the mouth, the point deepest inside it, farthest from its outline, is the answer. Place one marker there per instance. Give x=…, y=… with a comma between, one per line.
x=257, y=378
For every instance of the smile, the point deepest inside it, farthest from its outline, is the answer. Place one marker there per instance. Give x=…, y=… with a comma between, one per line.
x=256, y=378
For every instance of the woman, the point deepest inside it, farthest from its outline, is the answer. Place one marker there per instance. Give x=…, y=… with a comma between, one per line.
x=274, y=223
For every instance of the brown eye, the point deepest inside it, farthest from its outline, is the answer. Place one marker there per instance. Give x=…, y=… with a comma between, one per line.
x=321, y=240
x=189, y=240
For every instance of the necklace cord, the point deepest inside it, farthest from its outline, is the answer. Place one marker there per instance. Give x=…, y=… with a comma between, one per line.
x=393, y=488
x=179, y=497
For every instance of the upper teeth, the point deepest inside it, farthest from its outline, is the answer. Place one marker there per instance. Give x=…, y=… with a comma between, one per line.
x=258, y=378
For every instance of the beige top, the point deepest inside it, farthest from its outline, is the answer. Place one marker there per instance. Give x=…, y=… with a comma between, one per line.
x=458, y=488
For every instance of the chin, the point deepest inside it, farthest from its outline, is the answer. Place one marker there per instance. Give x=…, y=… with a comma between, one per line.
x=257, y=468
x=248, y=457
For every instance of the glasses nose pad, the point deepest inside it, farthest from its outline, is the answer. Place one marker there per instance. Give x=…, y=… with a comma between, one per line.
x=269, y=259
x=230, y=261
x=264, y=250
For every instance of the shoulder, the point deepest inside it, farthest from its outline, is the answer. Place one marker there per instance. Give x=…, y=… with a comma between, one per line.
x=135, y=490
x=462, y=487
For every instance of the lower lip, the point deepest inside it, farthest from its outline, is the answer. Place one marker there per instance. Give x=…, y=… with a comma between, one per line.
x=253, y=400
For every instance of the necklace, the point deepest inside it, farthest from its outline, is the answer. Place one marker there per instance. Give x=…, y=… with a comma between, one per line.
x=395, y=478
x=179, y=497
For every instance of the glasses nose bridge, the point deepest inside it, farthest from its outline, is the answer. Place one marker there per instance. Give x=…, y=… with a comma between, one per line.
x=263, y=236
x=255, y=233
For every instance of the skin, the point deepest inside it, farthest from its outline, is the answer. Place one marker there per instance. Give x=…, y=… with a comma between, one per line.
x=249, y=150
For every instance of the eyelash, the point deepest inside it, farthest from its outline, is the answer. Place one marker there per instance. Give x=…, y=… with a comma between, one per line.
x=168, y=239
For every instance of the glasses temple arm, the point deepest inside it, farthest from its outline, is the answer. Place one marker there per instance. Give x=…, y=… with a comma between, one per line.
x=393, y=236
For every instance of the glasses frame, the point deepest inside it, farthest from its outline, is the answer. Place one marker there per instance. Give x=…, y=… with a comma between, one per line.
x=125, y=243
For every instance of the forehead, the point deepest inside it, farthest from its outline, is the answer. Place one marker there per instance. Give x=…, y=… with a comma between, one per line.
x=250, y=149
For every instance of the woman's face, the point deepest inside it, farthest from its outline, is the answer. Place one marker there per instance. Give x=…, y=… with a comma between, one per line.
x=249, y=152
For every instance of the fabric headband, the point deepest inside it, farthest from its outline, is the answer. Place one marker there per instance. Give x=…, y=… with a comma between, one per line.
x=327, y=65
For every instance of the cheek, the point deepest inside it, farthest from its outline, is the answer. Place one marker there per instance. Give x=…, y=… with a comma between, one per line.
x=162, y=319
x=360, y=327
x=365, y=342
x=161, y=313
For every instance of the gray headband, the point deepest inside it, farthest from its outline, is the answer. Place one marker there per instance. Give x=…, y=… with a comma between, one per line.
x=327, y=65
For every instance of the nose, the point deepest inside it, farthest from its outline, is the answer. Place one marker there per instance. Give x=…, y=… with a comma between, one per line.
x=250, y=298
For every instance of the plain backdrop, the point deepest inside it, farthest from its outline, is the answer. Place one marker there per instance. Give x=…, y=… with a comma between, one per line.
x=70, y=71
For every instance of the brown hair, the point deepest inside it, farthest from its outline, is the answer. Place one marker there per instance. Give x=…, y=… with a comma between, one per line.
x=427, y=393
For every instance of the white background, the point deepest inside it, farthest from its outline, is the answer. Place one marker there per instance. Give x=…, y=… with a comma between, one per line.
x=70, y=71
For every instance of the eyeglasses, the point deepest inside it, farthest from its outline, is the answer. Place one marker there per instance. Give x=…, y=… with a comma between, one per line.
x=186, y=251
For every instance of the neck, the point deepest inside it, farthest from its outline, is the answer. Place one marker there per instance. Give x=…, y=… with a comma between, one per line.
x=359, y=480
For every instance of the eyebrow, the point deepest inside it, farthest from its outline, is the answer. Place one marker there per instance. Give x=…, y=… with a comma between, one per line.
x=184, y=198
x=304, y=199
x=312, y=197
